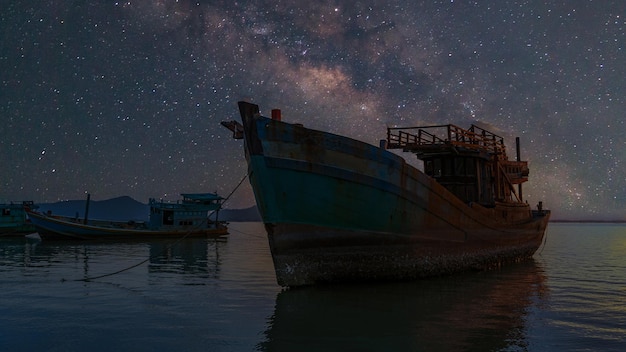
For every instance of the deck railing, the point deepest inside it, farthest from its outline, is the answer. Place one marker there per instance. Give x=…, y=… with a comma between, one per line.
x=414, y=138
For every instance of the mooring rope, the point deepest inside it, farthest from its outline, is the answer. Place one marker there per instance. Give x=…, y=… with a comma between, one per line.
x=167, y=247
x=231, y=193
x=247, y=233
x=236, y=187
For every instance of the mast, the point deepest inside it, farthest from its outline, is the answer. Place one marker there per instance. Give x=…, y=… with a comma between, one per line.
x=87, y=209
x=517, y=152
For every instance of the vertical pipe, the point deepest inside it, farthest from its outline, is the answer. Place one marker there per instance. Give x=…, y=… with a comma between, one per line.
x=519, y=185
x=276, y=114
x=87, y=209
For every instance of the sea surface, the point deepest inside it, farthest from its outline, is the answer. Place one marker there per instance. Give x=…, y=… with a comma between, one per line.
x=221, y=295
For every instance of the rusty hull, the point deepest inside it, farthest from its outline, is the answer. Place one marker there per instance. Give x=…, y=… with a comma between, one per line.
x=337, y=209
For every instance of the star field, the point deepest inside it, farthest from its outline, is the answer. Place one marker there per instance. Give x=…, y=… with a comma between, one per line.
x=125, y=98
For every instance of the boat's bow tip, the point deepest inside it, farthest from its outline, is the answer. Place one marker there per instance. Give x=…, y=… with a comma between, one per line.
x=247, y=108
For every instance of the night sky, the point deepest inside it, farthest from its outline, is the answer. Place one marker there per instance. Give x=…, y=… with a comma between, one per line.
x=125, y=98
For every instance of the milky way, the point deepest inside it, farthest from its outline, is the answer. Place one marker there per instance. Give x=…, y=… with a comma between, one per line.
x=125, y=98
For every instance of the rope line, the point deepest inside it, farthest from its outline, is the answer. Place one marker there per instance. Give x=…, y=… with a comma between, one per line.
x=231, y=193
x=246, y=233
x=236, y=187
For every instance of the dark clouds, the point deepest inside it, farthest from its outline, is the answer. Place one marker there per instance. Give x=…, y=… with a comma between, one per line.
x=125, y=98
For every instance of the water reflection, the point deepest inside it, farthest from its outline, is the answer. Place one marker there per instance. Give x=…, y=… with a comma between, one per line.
x=480, y=311
x=194, y=257
x=197, y=257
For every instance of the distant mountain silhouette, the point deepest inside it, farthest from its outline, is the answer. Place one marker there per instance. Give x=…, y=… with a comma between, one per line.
x=120, y=208
x=126, y=208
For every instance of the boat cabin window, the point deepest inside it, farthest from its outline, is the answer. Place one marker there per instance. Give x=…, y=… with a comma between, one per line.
x=433, y=168
x=6, y=212
x=168, y=217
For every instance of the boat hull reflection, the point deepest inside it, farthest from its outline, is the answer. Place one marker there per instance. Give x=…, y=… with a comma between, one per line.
x=480, y=310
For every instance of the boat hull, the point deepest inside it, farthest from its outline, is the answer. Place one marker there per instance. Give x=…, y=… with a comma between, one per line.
x=305, y=254
x=13, y=221
x=339, y=210
x=50, y=227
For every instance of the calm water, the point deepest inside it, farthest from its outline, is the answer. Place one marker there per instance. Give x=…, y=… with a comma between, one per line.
x=208, y=295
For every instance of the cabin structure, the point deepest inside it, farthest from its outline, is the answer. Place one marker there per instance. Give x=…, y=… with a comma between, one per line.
x=471, y=163
x=192, y=211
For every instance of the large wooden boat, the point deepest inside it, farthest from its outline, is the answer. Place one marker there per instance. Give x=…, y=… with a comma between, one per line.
x=188, y=217
x=13, y=219
x=338, y=209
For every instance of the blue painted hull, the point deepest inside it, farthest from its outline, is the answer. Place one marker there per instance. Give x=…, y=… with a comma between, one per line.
x=50, y=227
x=337, y=209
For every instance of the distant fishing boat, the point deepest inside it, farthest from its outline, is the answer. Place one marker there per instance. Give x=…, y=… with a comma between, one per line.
x=337, y=209
x=187, y=217
x=13, y=220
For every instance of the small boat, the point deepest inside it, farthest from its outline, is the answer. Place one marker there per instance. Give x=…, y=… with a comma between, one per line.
x=13, y=219
x=184, y=218
x=337, y=209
